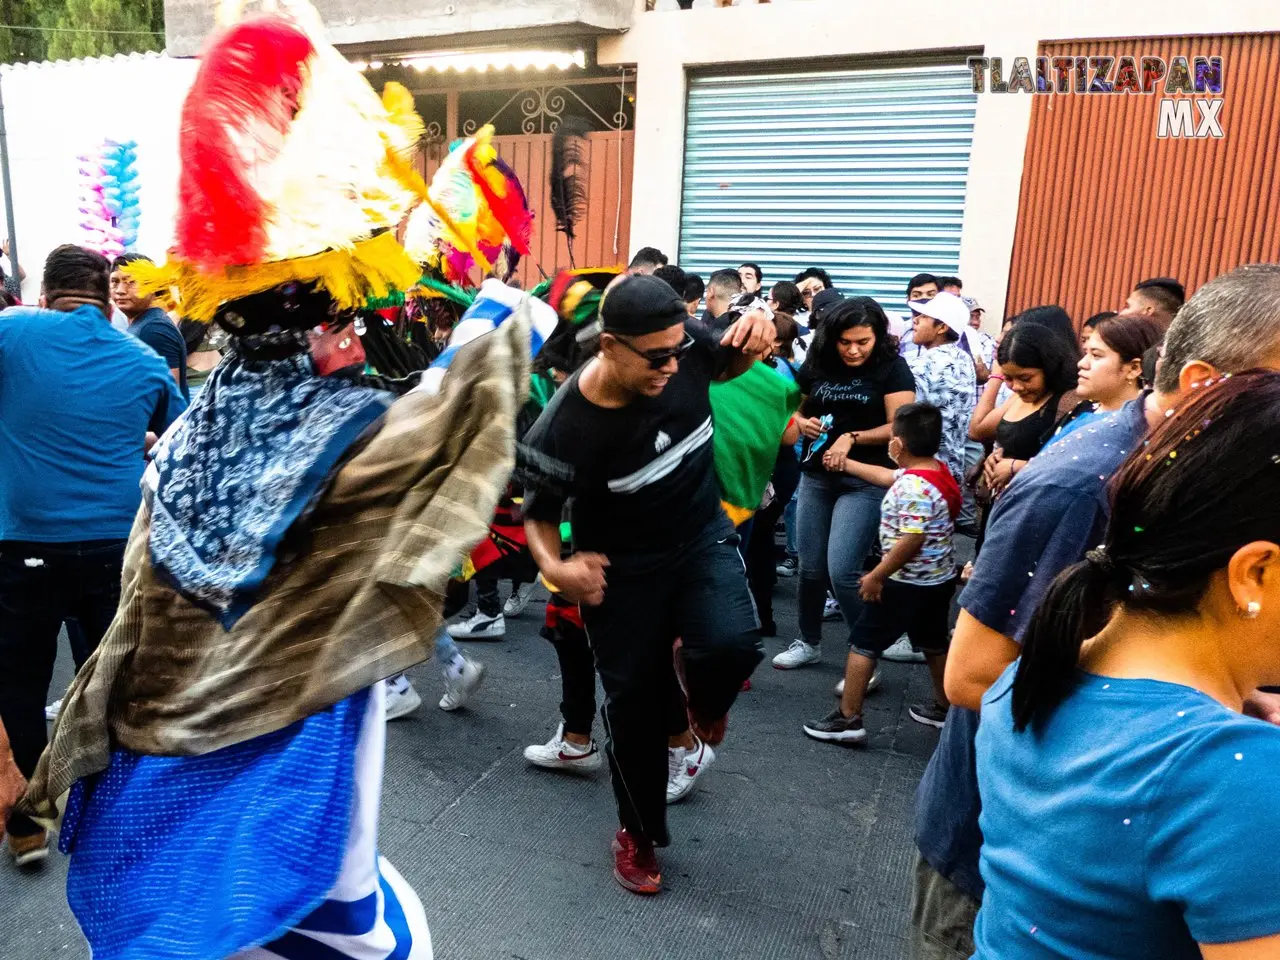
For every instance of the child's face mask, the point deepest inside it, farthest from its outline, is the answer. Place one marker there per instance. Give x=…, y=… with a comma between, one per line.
x=895, y=448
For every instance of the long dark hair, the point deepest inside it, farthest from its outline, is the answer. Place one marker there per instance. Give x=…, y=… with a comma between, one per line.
x=1054, y=318
x=1205, y=484
x=1042, y=348
x=823, y=361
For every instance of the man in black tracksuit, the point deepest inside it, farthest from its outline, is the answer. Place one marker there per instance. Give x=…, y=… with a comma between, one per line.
x=626, y=442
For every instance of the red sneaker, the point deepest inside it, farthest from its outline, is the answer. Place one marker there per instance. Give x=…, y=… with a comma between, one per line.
x=634, y=865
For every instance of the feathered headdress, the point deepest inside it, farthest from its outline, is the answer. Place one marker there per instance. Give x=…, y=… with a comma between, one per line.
x=292, y=169
x=476, y=214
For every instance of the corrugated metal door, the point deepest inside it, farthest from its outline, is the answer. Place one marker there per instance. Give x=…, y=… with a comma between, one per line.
x=860, y=172
x=1105, y=203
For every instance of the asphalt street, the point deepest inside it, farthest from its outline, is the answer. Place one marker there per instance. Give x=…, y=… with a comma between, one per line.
x=788, y=848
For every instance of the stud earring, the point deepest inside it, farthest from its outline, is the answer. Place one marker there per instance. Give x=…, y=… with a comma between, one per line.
x=1251, y=610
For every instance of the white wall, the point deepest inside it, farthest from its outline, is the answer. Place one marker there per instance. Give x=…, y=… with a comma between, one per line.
x=790, y=34
x=56, y=111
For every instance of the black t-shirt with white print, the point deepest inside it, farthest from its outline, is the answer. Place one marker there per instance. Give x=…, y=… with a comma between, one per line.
x=639, y=479
x=855, y=402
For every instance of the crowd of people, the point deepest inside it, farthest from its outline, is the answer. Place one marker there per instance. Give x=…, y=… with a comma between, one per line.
x=252, y=507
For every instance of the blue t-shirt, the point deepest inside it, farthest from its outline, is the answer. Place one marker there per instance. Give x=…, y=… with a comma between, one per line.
x=1140, y=819
x=154, y=328
x=77, y=397
x=1053, y=512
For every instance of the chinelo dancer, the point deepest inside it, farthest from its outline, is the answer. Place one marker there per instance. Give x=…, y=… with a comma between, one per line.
x=627, y=443
x=223, y=747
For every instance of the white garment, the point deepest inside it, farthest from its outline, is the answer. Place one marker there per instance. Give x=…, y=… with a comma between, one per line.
x=369, y=898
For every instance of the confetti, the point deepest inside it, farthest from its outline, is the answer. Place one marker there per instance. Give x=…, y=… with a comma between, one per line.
x=1127, y=821
x=1173, y=454
x=1106, y=686
x=1239, y=756
x=1138, y=530
x=1182, y=713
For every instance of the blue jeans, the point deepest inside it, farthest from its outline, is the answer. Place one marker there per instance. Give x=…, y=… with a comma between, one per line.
x=789, y=521
x=837, y=521
x=446, y=649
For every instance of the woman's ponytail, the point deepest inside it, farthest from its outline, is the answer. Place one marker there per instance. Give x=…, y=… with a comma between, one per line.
x=1075, y=608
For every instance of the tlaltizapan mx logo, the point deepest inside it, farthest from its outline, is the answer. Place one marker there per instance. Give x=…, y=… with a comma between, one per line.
x=1189, y=88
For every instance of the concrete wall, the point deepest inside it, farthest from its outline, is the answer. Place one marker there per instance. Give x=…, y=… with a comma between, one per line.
x=665, y=44
x=56, y=111
x=420, y=24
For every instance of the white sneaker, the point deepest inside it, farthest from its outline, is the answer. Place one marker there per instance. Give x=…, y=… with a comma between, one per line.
x=871, y=684
x=518, y=600
x=693, y=763
x=902, y=652
x=797, y=655
x=831, y=609
x=52, y=710
x=559, y=754
x=459, y=687
x=478, y=627
x=402, y=699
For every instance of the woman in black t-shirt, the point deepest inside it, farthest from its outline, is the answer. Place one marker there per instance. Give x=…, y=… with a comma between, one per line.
x=853, y=381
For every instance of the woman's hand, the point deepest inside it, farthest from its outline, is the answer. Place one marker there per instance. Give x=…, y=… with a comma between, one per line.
x=999, y=472
x=810, y=427
x=834, y=456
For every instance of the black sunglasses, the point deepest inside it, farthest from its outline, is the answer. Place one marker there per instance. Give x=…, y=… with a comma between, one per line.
x=657, y=359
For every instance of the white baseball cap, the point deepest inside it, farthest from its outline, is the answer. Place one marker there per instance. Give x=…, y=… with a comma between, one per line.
x=946, y=307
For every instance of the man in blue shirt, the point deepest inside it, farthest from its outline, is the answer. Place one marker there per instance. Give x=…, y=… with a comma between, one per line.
x=1047, y=519
x=148, y=322
x=77, y=399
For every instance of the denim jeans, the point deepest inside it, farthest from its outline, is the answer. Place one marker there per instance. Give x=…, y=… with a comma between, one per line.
x=837, y=521
x=789, y=521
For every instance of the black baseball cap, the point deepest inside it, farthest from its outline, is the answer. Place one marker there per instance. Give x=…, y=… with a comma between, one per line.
x=641, y=304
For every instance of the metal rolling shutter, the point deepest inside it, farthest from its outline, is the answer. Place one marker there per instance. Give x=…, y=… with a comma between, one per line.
x=861, y=172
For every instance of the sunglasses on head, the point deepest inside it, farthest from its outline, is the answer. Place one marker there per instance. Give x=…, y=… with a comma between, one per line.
x=657, y=359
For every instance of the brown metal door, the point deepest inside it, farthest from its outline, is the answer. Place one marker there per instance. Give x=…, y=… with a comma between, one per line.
x=1104, y=203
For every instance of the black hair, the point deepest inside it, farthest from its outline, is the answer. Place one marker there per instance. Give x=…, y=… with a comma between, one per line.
x=651, y=256
x=726, y=281
x=950, y=282
x=817, y=273
x=1041, y=348
x=787, y=296
x=1204, y=484
x=1054, y=318
x=1097, y=318
x=694, y=288
x=756, y=267
x=919, y=427
x=127, y=258
x=73, y=271
x=1150, y=365
x=1165, y=291
x=823, y=361
x=675, y=277
x=919, y=280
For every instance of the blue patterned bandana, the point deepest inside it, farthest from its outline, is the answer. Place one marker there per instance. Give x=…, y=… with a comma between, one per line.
x=247, y=461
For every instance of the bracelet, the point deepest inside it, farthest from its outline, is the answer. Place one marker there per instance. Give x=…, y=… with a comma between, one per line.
x=853, y=438
x=997, y=376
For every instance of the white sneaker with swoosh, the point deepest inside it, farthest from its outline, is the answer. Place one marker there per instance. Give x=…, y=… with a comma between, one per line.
x=693, y=765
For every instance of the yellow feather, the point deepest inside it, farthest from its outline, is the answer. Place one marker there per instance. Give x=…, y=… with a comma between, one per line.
x=402, y=111
x=371, y=268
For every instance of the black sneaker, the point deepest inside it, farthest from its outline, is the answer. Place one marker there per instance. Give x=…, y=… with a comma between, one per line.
x=930, y=713
x=787, y=567
x=837, y=728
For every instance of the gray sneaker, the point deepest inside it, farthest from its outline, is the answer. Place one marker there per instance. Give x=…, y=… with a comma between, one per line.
x=835, y=727
x=930, y=713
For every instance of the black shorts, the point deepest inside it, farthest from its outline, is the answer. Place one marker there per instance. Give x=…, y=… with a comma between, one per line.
x=920, y=612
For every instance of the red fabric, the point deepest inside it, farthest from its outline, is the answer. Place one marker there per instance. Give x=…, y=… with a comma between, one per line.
x=235, y=117
x=945, y=484
x=507, y=202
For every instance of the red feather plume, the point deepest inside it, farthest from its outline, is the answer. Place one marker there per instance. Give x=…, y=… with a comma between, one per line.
x=501, y=189
x=235, y=117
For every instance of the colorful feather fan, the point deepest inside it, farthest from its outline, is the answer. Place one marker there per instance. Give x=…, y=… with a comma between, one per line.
x=569, y=177
x=501, y=190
